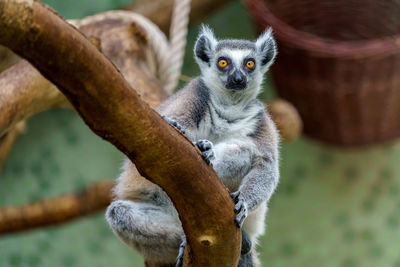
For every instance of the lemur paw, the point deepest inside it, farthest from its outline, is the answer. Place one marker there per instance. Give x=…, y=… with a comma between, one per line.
x=174, y=123
x=207, y=151
x=179, y=259
x=240, y=208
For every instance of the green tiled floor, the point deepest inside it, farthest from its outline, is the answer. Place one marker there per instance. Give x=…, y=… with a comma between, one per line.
x=333, y=207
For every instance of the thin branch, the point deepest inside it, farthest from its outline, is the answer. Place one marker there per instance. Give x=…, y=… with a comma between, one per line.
x=56, y=210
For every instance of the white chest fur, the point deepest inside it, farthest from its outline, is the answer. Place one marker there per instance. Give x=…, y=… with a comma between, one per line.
x=227, y=122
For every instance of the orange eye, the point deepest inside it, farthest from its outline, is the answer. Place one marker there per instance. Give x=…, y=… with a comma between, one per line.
x=250, y=64
x=222, y=63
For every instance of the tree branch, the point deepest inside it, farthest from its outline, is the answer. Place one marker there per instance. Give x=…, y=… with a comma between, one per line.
x=24, y=92
x=56, y=210
x=95, y=87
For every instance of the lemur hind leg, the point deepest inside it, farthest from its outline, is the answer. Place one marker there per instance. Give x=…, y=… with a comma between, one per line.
x=146, y=227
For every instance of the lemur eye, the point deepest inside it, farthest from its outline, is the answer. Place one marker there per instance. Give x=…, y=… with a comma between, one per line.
x=222, y=63
x=250, y=64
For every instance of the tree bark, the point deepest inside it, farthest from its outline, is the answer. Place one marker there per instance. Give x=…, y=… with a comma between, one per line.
x=24, y=92
x=114, y=111
x=56, y=210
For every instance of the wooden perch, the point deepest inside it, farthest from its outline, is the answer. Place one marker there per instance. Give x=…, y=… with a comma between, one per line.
x=24, y=92
x=56, y=210
x=115, y=112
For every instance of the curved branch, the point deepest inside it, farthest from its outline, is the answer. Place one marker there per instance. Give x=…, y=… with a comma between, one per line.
x=115, y=112
x=24, y=92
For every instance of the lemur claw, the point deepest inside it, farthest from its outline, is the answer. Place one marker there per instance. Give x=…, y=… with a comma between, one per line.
x=240, y=208
x=207, y=151
x=174, y=123
x=179, y=259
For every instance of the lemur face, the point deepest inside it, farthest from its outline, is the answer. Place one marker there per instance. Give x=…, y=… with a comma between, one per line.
x=235, y=65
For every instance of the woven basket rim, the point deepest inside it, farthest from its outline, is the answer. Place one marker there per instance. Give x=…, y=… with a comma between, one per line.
x=385, y=46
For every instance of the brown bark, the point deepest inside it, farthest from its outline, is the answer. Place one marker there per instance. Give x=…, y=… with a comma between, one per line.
x=24, y=92
x=94, y=86
x=56, y=210
x=159, y=11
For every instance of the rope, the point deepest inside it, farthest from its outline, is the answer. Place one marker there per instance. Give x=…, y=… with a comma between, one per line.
x=178, y=33
x=168, y=55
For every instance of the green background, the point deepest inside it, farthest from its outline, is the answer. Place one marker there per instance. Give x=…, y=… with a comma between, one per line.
x=333, y=207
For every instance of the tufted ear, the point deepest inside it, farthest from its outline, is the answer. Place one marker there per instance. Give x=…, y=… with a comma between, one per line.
x=266, y=49
x=205, y=46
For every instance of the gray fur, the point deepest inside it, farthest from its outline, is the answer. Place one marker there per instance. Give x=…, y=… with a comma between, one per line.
x=200, y=106
x=235, y=135
x=235, y=44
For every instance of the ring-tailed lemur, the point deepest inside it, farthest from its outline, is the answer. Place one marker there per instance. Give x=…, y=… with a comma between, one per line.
x=220, y=113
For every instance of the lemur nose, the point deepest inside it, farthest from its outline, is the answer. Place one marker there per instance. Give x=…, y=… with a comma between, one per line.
x=237, y=77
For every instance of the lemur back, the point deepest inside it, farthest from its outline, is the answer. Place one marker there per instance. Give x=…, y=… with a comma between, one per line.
x=219, y=112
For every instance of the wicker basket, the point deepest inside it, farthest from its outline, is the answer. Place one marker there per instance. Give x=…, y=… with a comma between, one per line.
x=338, y=63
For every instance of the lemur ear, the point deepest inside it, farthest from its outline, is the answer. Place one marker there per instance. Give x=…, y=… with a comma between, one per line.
x=205, y=45
x=266, y=48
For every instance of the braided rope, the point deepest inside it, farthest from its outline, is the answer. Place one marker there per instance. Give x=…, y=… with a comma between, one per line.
x=178, y=33
x=168, y=55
